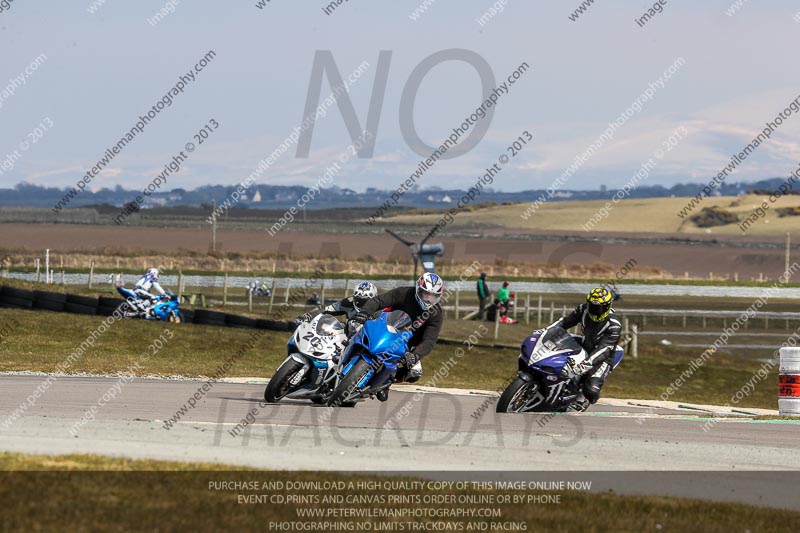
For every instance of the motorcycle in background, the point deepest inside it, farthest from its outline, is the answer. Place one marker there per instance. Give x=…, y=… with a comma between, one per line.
x=165, y=309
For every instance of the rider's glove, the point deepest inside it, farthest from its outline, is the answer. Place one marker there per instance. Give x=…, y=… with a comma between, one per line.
x=305, y=317
x=360, y=318
x=409, y=359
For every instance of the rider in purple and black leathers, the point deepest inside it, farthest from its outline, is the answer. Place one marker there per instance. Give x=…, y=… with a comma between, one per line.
x=601, y=332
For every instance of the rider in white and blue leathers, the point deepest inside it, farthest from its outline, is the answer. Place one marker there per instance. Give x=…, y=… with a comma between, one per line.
x=142, y=289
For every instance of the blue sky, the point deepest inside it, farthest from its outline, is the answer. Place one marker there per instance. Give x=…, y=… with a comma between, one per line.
x=105, y=69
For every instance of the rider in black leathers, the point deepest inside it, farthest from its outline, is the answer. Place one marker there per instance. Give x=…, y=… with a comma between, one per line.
x=601, y=332
x=421, y=304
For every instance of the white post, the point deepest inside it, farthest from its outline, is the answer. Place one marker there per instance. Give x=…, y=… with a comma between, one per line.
x=789, y=382
x=271, y=296
x=528, y=308
x=539, y=313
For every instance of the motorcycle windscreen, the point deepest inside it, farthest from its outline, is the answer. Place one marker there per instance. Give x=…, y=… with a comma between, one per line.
x=553, y=341
x=557, y=339
x=397, y=321
x=328, y=325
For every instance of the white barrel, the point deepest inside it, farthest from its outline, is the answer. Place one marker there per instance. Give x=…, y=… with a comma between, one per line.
x=789, y=382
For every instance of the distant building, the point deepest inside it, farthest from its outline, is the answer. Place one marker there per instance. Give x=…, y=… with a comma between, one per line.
x=256, y=197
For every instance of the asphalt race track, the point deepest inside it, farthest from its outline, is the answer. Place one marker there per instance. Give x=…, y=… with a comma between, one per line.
x=413, y=431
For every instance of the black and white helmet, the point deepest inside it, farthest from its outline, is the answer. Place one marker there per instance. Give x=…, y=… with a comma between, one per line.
x=363, y=292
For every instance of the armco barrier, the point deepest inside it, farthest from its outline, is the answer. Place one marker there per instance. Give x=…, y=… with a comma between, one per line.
x=12, y=297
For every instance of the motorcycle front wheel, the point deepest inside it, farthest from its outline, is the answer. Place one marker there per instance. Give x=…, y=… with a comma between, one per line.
x=349, y=384
x=520, y=396
x=280, y=384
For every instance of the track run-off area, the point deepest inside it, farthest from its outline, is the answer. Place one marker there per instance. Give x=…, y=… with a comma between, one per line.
x=418, y=429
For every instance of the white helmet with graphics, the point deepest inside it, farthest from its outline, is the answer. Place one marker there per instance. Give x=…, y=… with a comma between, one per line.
x=152, y=274
x=364, y=291
x=430, y=288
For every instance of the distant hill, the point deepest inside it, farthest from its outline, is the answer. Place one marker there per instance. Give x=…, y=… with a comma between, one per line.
x=283, y=197
x=718, y=216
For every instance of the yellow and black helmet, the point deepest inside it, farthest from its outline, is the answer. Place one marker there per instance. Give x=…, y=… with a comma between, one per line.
x=599, y=303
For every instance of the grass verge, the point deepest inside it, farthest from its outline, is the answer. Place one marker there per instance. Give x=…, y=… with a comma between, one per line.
x=41, y=340
x=55, y=493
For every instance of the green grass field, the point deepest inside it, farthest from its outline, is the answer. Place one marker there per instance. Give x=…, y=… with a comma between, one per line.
x=41, y=340
x=121, y=495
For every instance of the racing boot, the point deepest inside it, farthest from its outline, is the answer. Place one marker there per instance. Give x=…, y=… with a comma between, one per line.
x=579, y=405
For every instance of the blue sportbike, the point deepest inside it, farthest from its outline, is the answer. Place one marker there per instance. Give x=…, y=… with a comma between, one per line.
x=166, y=307
x=546, y=380
x=369, y=362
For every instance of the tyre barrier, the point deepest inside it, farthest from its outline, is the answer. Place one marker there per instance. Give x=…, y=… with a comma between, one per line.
x=106, y=306
x=51, y=301
x=236, y=321
x=16, y=298
x=12, y=297
x=209, y=318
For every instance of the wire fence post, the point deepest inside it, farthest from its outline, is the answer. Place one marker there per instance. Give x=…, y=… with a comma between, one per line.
x=91, y=273
x=225, y=290
x=458, y=295
x=635, y=341
x=271, y=297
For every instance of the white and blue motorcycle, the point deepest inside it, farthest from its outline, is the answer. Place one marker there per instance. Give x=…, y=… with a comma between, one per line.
x=309, y=370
